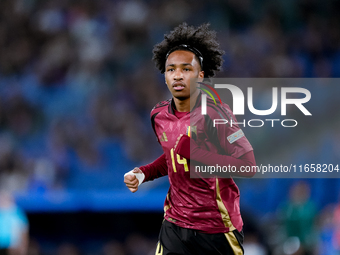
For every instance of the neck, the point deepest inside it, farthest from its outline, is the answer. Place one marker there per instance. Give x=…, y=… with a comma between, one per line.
x=187, y=104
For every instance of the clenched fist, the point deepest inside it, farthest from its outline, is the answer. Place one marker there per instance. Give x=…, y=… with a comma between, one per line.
x=133, y=179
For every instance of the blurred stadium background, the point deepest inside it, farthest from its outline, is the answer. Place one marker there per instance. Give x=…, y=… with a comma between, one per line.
x=76, y=87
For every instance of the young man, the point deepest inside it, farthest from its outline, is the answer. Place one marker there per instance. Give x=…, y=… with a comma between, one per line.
x=202, y=215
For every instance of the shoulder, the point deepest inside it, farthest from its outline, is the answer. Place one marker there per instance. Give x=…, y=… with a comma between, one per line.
x=218, y=110
x=161, y=106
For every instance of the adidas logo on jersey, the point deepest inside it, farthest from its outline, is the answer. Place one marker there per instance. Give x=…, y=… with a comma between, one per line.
x=163, y=137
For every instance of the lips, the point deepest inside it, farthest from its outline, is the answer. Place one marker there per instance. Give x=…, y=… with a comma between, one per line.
x=178, y=86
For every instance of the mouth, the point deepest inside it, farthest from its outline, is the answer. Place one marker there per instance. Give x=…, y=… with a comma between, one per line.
x=178, y=86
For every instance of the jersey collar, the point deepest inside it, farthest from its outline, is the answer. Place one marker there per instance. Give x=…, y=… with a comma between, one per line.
x=172, y=105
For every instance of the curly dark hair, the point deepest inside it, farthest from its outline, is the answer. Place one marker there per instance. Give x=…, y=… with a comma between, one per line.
x=201, y=38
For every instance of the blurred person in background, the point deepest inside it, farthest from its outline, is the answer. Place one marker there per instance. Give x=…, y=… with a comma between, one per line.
x=328, y=222
x=334, y=232
x=202, y=215
x=13, y=227
x=298, y=217
x=253, y=245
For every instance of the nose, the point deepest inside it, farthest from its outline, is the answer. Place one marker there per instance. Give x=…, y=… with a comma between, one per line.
x=178, y=74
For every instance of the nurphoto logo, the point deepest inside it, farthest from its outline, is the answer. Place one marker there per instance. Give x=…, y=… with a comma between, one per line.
x=239, y=104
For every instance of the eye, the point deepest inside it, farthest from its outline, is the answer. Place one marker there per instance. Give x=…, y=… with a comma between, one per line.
x=170, y=70
x=186, y=69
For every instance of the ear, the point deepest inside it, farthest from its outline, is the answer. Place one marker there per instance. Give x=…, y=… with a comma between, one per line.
x=200, y=76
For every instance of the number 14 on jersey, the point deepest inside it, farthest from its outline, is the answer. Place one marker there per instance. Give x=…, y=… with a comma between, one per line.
x=180, y=161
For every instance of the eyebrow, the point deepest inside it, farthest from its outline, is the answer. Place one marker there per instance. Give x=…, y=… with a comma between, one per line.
x=183, y=64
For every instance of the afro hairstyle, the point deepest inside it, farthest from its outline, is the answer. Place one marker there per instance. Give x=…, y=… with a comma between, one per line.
x=201, y=38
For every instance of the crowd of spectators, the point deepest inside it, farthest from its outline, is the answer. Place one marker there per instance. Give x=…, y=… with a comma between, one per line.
x=74, y=70
x=77, y=84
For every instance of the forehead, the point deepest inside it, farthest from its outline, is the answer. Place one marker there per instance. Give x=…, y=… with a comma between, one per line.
x=180, y=57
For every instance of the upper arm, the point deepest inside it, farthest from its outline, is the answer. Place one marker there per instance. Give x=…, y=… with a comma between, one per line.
x=230, y=138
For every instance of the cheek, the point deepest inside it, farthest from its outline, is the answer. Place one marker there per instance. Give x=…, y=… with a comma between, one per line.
x=193, y=76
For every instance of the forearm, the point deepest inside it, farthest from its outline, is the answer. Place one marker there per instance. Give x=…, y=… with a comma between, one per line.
x=156, y=169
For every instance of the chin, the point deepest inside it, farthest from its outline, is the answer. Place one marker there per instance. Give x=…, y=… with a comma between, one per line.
x=181, y=98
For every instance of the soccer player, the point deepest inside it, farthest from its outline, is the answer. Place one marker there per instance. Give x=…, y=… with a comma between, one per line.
x=13, y=227
x=202, y=215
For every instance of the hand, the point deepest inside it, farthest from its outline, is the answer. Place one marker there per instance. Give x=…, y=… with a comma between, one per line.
x=185, y=146
x=131, y=180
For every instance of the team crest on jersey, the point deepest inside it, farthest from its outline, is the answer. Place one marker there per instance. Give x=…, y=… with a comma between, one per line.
x=191, y=131
x=234, y=137
x=163, y=137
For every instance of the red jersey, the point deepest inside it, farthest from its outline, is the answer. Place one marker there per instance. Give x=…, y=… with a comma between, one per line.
x=209, y=205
